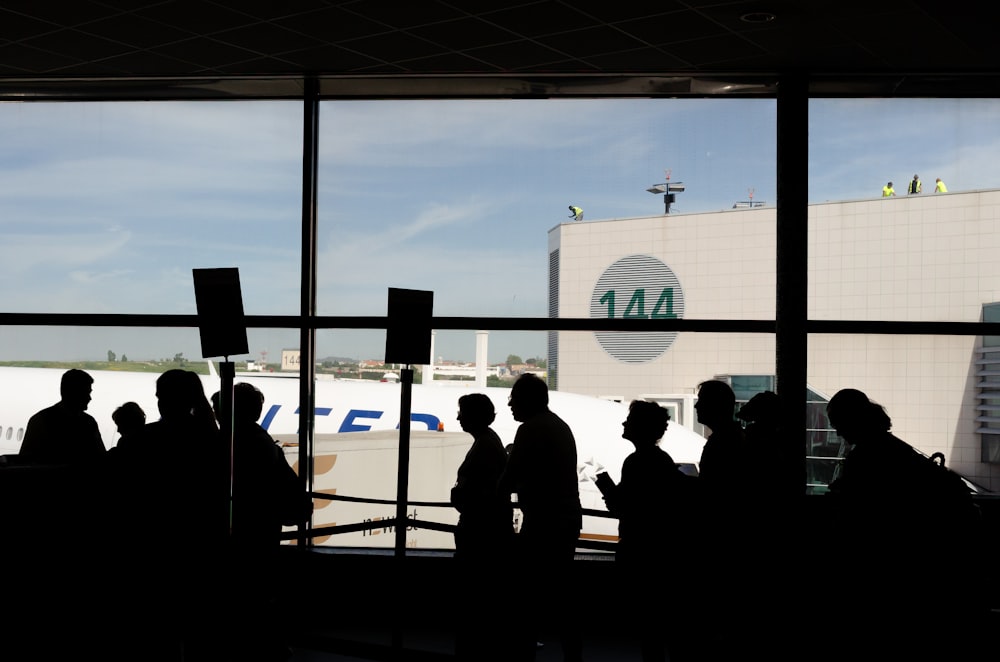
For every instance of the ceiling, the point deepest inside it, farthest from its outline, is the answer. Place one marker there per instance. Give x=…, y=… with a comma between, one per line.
x=914, y=47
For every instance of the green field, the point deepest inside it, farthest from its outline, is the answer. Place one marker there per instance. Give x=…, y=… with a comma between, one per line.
x=199, y=367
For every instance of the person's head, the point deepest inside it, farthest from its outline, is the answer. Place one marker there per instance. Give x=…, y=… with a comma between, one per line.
x=180, y=393
x=938, y=179
x=75, y=389
x=854, y=416
x=646, y=422
x=248, y=402
x=529, y=396
x=761, y=409
x=916, y=176
x=475, y=412
x=128, y=418
x=716, y=403
x=889, y=184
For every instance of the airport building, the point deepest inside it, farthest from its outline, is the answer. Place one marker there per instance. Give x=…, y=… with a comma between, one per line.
x=924, y=258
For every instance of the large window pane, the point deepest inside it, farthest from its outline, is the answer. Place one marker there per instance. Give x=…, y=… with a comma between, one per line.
x=920, y=256
x=107, y=207
x=456, y=196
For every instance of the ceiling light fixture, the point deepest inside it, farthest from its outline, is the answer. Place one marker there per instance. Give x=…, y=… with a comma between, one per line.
x=758, y=17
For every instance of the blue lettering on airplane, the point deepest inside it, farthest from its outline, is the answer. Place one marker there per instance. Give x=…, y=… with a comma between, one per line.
x=349, y=423
x=272, y=411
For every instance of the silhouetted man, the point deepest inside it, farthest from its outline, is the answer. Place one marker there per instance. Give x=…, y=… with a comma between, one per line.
x=723, y=465
x=64, y=433
x=725, y=477
x=542, y=471
x=266, y=494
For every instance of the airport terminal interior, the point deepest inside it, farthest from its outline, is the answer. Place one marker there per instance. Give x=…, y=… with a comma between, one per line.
x=334, y=149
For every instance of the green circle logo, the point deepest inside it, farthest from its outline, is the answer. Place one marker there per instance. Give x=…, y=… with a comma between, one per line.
x=637, y=287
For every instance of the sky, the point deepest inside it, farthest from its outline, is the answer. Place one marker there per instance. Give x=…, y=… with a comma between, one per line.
x=107, y=207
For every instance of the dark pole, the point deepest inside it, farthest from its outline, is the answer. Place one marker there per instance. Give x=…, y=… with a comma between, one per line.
x=402, y=495
x=791, y=309
x=227, y=375
x=307, y=305
x=403, y=470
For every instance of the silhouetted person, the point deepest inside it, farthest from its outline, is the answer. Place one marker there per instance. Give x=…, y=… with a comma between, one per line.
x=723, y=465
x=542, y=471
x=775, y=490
x=882, y=478
x=129, y=419
x=649, y=503
x=484, y=534
x=266, y=495
x=905, y=560
x=176, y=477
x=49, y=591
x=778, y=472
x=64, y=433
x=725, y=475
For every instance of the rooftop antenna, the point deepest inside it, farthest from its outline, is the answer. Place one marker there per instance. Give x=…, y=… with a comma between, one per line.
x=668, y=189
x=748, y=204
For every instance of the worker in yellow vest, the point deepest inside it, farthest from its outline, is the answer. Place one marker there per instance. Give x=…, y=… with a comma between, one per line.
x=888, y=191
x=915, y=186
x=939, y=186
x=576, y=213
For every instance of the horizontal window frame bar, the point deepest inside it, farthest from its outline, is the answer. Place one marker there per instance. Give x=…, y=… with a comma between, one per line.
x=813, y=327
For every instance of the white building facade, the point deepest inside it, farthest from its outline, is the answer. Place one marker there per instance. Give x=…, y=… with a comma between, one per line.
x=926, y=258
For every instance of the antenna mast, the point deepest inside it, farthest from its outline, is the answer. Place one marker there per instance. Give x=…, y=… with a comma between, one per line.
x=668, y=190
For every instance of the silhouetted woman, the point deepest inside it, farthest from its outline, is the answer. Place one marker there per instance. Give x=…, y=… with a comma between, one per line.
x=903, y=546
x=648, y=502
x=484, y=534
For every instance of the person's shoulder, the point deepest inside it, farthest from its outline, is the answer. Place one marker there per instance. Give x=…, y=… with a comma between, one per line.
x=45, y=412
x=557, y=420
x=664, y=456
x=493, y=440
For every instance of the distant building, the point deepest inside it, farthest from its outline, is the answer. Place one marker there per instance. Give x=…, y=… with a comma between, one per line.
x=915, y=259
x=290, y=359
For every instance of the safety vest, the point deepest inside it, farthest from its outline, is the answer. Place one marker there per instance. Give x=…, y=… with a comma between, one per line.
x=940, y=187
x=888, y=191
x=916, y=186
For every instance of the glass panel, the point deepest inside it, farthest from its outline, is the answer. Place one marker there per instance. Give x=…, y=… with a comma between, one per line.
x=455, y=197
x=125, y=363
x=908, y=257
x=357, y=419
x=926, y=383
x=107, y=207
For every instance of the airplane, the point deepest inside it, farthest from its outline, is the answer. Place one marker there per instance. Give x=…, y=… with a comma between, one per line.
x=356, y=442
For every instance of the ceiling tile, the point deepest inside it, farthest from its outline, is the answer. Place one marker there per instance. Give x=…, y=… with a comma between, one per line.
x=540, y=18
x=591, y=41
x=518, y=56
x=22, y=59
x=396, y=14
x=134, y=30
x=331, y=25
x=266, y=39
x=463, y=33
x=199, y=18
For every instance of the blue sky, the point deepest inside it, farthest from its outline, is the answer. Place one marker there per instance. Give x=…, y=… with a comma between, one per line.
x=107, y=207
